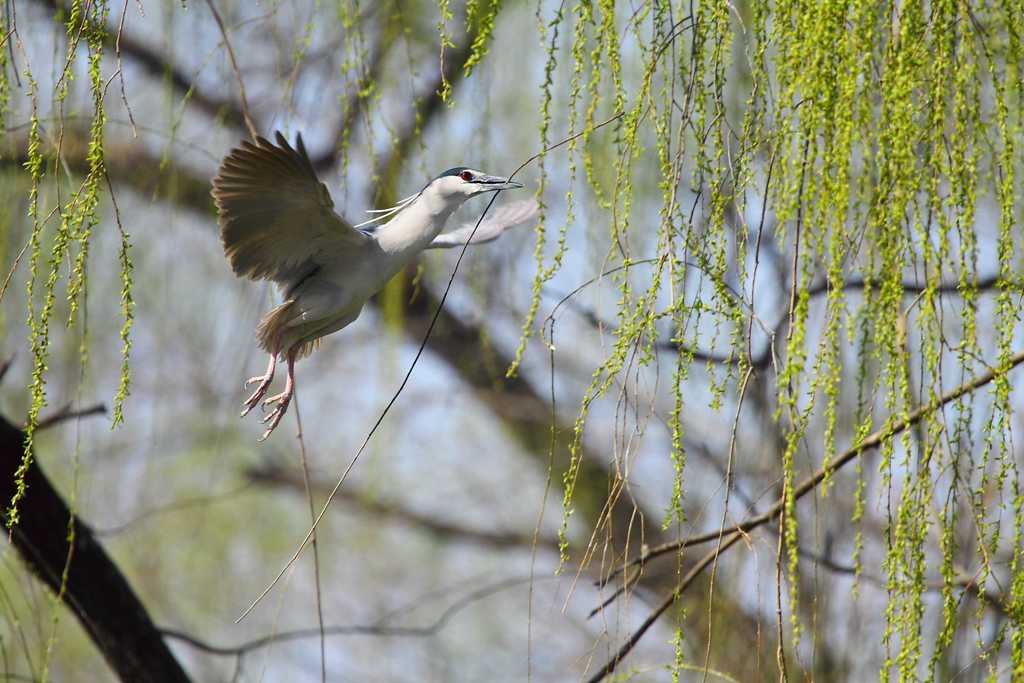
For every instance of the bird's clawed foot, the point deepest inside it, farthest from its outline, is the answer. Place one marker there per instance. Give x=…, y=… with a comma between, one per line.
x=281, y=400
x=264, y=384
x=260, y=392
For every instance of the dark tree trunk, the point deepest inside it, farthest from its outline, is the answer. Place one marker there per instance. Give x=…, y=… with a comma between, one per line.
x=96, y=591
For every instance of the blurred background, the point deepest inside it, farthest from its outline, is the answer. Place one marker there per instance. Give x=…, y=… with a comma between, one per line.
x=779, y=229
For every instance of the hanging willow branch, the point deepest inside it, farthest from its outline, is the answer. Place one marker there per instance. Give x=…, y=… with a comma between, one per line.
x=881, y=141
x=728, y=536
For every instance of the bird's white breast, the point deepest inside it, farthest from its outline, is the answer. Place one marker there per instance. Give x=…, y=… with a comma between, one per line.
x=346, y=281
x=409, y=233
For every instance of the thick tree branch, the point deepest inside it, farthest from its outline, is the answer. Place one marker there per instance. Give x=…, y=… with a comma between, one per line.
x=95, y=590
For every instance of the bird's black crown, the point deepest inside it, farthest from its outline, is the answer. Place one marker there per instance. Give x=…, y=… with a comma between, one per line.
x=454, y=171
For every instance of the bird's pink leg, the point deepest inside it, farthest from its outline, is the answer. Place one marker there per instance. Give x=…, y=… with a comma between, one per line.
x=282, y=400
x=261, y=391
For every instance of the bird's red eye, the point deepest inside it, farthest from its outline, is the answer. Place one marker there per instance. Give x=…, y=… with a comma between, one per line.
x=466, y=175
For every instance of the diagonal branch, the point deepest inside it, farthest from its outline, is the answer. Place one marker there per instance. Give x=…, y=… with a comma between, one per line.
x=691, y=576
x=729, y=535
x=870, y=442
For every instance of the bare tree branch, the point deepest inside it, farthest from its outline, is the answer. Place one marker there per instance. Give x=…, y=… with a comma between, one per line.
x=968, y=582
x=67, y=413
x=175, y=506
x=274, y=475
x=381, y=629
x=253, y=131
x=988, y=283
x=691, y=576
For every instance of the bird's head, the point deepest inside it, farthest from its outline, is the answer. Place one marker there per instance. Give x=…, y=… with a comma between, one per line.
x=443, y=195
x=460, y=183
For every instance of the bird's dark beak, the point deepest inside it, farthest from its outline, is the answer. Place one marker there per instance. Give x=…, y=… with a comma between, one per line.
x=491, y=183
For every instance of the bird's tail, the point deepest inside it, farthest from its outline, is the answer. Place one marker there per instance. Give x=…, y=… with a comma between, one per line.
x=271, y=329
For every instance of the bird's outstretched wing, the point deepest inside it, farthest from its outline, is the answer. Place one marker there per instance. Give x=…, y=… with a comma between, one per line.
x=503, y=218
x=277, y=220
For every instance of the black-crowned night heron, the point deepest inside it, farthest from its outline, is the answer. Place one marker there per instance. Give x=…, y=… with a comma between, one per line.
x=277, y=223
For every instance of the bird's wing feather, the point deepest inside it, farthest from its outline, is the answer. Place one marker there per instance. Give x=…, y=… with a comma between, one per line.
x=503, y=218
x=277, y=220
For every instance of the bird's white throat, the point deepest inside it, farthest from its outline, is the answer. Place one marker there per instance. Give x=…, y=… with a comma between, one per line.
x=419, y=223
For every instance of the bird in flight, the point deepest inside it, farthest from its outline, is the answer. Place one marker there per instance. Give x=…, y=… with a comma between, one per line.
x=277, y=223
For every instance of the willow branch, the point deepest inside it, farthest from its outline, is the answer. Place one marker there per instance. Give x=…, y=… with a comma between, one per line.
x=158, y=65
x=730, y=535
x=690, y=577
x=871, y=442
x=963, y=580
x=762, y=359
x=355, y=106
